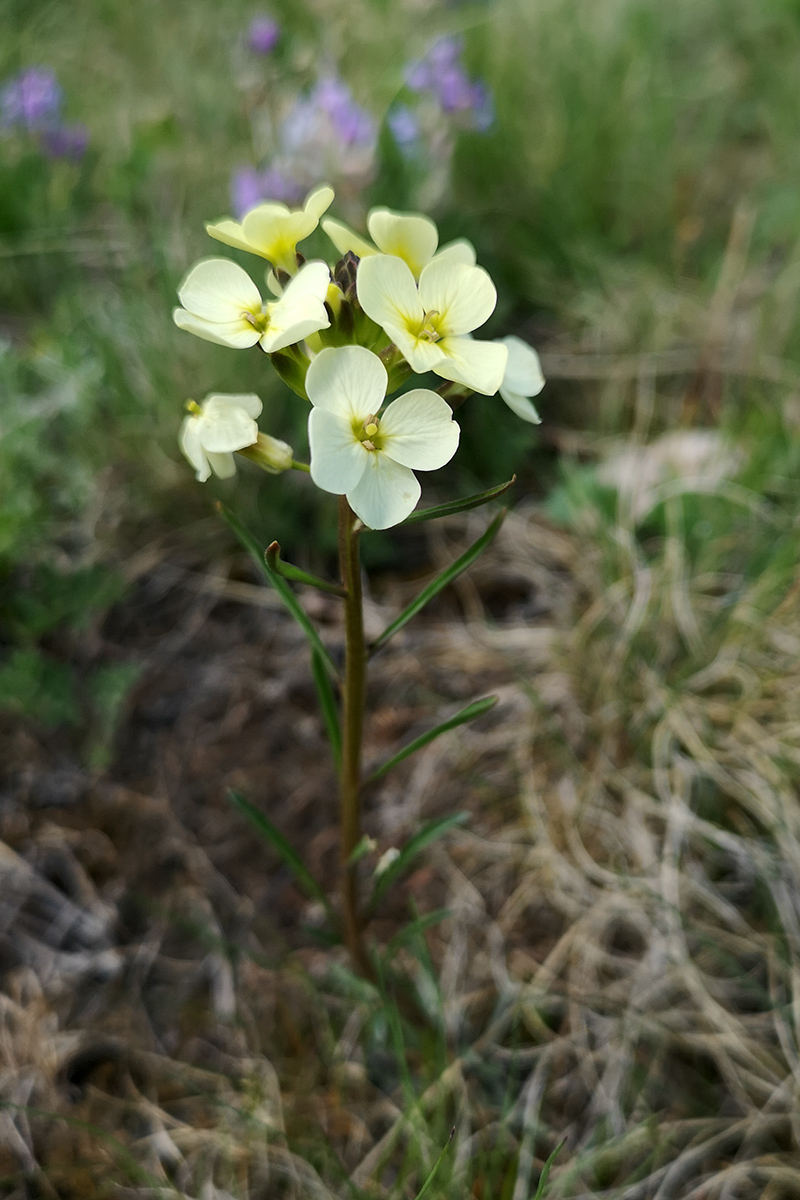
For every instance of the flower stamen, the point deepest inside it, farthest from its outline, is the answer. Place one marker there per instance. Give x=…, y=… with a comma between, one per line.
x=429, y=332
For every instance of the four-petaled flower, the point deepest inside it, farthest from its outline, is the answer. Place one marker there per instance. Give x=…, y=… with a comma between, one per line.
x=214, y=429
x=222, y=304
x=369, y=456
x=431, y=324
x=410, y=236
x=523, y=378
x=272, y=230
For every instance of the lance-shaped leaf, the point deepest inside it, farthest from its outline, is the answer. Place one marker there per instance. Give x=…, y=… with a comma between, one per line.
x=284, y=848
x=440, y=582
x=426, y=1185
x=281, y=586
x=414, y=928
x=276, y=564
x=476, y=709
x=429, y=833
x=546, y=1171
x=457, y=506
x=327, y=702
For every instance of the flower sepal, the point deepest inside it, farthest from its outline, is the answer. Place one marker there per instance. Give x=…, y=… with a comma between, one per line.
x=269, y=453
x=292, y=363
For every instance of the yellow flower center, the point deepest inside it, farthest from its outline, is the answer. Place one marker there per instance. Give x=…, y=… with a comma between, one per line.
x=366, y=434
x=428, y=331
x=259, y=320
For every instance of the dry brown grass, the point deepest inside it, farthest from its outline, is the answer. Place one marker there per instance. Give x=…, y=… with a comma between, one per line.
x=621, y=962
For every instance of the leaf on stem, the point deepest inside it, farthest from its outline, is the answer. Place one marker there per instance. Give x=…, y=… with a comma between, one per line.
x=281, y=586
x=276, y=564
x=429, y=833
x=476, y=709
x=413, y=929
x=546, y=1171
x=283, y=846
x=327, y=702
x=440, y=582
x=457, y=506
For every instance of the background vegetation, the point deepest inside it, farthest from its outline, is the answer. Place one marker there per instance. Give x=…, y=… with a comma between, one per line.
x=634, y=866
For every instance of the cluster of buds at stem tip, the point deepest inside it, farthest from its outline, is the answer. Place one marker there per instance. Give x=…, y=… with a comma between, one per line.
x=344, y=338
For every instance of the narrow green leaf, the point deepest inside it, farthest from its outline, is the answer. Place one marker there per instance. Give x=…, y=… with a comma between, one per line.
x=327, y=702
x=546, y=1171
x=413, y=929
x=429, y=833
x=436, y=1166
x=276, y=564
x=281, y=586
x=285, y=849
x=457, y=506
x=441, y=581
x=365, y=845
x=466, y=714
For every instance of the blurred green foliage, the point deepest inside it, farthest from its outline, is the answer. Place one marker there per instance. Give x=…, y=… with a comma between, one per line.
x=601, y=201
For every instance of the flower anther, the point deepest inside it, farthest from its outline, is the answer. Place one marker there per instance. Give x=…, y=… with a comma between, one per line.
x=431, y=323
x=369, y=456
x=222, y=304
x=272, y=230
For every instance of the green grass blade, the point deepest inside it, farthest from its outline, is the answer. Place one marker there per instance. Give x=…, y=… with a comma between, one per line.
x=429, y=833
x=457, y=506
x=281, y=586
x=285, y=849
x=546, y=1171
x=436, y=1166
x=327, y=702
x=441, y=581
x=413, y=929
x=275, y=563
x=476, y=709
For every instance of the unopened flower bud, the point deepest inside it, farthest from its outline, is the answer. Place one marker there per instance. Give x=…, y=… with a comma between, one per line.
x=269, y=453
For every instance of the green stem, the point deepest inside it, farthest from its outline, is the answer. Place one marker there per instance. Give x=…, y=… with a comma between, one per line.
x=353, y=696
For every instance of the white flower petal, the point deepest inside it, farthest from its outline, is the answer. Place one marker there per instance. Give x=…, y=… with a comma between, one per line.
x=247, y=400
x=478, y=365
x=387, y=291
x=348, y=380
x=223, y=465
x=216, y=289
x=313, y=279
x=521, y=405
x=386, y=493
x=238, y=335
x=459, y=251
x=290, y=323
x=464, y=296
x=319, y=201
x=338, y=460
x=345, y=239
x=189, y=442
x=409, y=236
x=225, y=427
x=523, y=373
x=230, y=233
x=417, y=430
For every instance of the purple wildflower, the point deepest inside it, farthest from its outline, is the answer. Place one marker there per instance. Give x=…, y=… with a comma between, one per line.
x=246, y=190
x=250, y=188
x=66, y=141
x=280, y=184
x=263, y=35
x=445, y=53
x=352, y=124
x=404, y=127
x=453, y=89
x=32, y=99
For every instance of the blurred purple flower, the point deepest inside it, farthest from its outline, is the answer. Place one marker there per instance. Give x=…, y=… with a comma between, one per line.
x=33, y=99
x=353, y=124
x=404, y=127
x=250, y=188
x=263, y=35
x=418, y=75
x=445, y=53
x=66, y=141
x=483, y=113
x=453, y=89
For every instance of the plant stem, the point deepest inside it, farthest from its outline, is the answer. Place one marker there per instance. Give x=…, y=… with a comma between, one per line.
x=353, y=695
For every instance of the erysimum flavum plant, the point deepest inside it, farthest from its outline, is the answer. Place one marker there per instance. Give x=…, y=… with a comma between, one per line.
x=345, y=338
